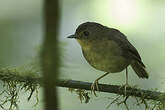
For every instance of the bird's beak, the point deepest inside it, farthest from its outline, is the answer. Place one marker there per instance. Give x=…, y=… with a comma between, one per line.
x=72, y=36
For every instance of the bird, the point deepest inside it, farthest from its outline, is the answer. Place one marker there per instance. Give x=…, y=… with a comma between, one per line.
x=108, y=50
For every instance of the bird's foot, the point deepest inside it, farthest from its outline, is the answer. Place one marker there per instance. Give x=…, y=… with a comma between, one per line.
x=125, y=88
x=93, y=86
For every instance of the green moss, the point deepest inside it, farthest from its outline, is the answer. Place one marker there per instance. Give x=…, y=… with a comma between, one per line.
x=15, y=81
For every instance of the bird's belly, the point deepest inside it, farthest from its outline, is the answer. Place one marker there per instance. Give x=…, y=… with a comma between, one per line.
x=106, y=61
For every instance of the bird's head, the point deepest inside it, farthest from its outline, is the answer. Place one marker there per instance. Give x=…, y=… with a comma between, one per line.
x=88, y=32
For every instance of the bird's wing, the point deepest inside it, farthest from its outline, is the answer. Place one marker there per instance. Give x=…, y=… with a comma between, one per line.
x=128, y=50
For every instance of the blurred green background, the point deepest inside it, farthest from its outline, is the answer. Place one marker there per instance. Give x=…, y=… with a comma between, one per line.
x=142, y=21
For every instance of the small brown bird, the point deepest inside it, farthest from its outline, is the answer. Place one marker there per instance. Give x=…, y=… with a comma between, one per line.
x=108, y=50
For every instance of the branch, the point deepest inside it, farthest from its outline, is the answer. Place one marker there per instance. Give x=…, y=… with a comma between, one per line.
x=116, y=89
x=50, y=53
x=146, y=94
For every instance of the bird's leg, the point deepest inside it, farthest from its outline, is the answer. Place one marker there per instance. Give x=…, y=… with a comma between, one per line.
x=126, y=84
x=95, y=84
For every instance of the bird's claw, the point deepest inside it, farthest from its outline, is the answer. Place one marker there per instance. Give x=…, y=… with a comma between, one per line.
x=125, y=89
x=94, y=84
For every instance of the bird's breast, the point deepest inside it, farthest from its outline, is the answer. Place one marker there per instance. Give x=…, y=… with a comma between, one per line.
x=105, y=56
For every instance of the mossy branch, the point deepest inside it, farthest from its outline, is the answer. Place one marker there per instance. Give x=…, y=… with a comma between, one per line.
x=131, y=91
x=116, y=89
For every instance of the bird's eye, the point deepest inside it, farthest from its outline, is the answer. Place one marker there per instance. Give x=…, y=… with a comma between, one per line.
x=86, y=33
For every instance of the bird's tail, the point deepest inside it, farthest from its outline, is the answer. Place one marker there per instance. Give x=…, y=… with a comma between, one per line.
x=139, y=69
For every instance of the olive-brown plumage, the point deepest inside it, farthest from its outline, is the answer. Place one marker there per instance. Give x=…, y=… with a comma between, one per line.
x=107, y=49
